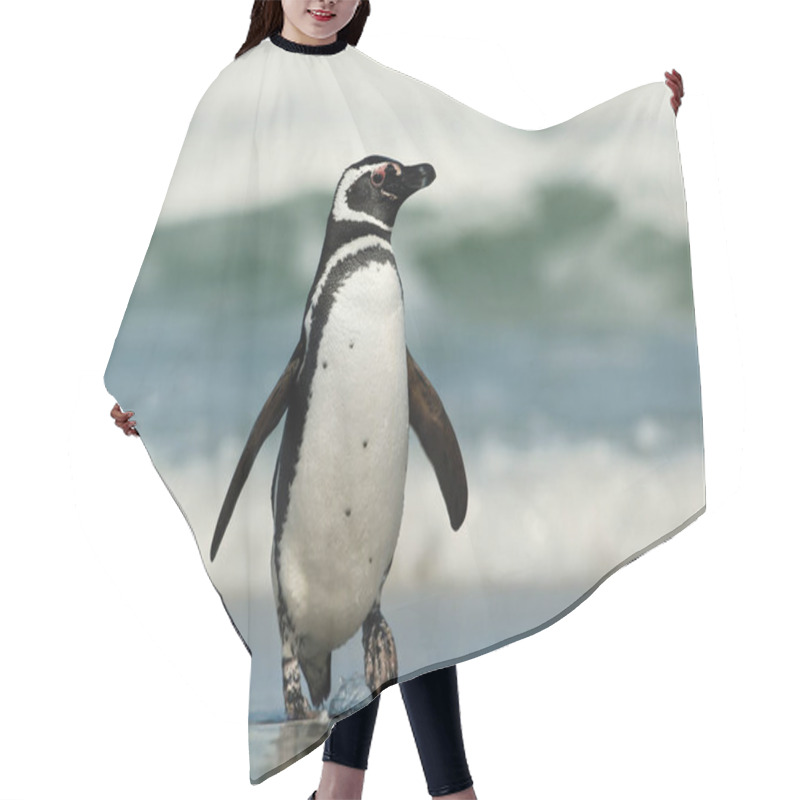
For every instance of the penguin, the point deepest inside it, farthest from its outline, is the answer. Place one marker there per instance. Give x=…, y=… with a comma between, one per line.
x=350, y=392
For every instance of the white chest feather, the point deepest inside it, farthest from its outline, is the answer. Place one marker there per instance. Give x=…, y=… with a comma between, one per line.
x=346, y=499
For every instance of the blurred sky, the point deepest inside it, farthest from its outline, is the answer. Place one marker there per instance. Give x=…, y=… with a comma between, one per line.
x=243, y=135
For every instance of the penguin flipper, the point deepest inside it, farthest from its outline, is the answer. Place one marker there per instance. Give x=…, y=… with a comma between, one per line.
x=427, y=417
x=265, y=423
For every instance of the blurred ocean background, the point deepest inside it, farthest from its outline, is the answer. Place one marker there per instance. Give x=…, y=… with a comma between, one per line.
x=572, y=384
x=528, y=337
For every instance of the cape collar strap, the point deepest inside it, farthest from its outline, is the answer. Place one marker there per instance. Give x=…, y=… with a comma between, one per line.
x=308, y=49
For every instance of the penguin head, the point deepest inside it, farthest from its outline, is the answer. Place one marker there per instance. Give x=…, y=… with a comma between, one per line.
x=373, y=189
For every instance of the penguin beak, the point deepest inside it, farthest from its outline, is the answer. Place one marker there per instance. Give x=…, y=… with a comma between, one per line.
x=397, y=182
x=415, y=178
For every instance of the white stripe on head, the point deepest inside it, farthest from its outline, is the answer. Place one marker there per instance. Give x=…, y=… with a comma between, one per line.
x=341, y=211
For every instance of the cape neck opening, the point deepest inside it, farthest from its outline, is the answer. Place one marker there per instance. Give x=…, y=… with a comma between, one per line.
x=308, y=49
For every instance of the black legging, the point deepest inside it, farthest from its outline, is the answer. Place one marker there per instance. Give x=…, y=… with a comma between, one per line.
x=432, y=706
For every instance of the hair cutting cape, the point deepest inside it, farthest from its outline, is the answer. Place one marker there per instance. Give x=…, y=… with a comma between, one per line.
x=542, y=429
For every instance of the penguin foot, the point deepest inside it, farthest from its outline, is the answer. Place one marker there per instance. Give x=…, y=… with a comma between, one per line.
x=297, y=706
x=380, y=653
x=299, y=710
x=316, y=669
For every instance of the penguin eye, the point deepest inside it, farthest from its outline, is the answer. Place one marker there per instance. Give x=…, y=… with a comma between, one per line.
x=378, y=177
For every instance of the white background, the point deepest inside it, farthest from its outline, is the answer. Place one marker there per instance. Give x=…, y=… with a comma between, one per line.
x=120, y=674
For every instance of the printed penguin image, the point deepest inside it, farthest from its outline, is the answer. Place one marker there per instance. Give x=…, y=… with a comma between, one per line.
x=546, y=291
x=350, y=392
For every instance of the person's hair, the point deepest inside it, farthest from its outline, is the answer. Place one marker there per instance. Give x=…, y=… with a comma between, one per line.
x=266, y=18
